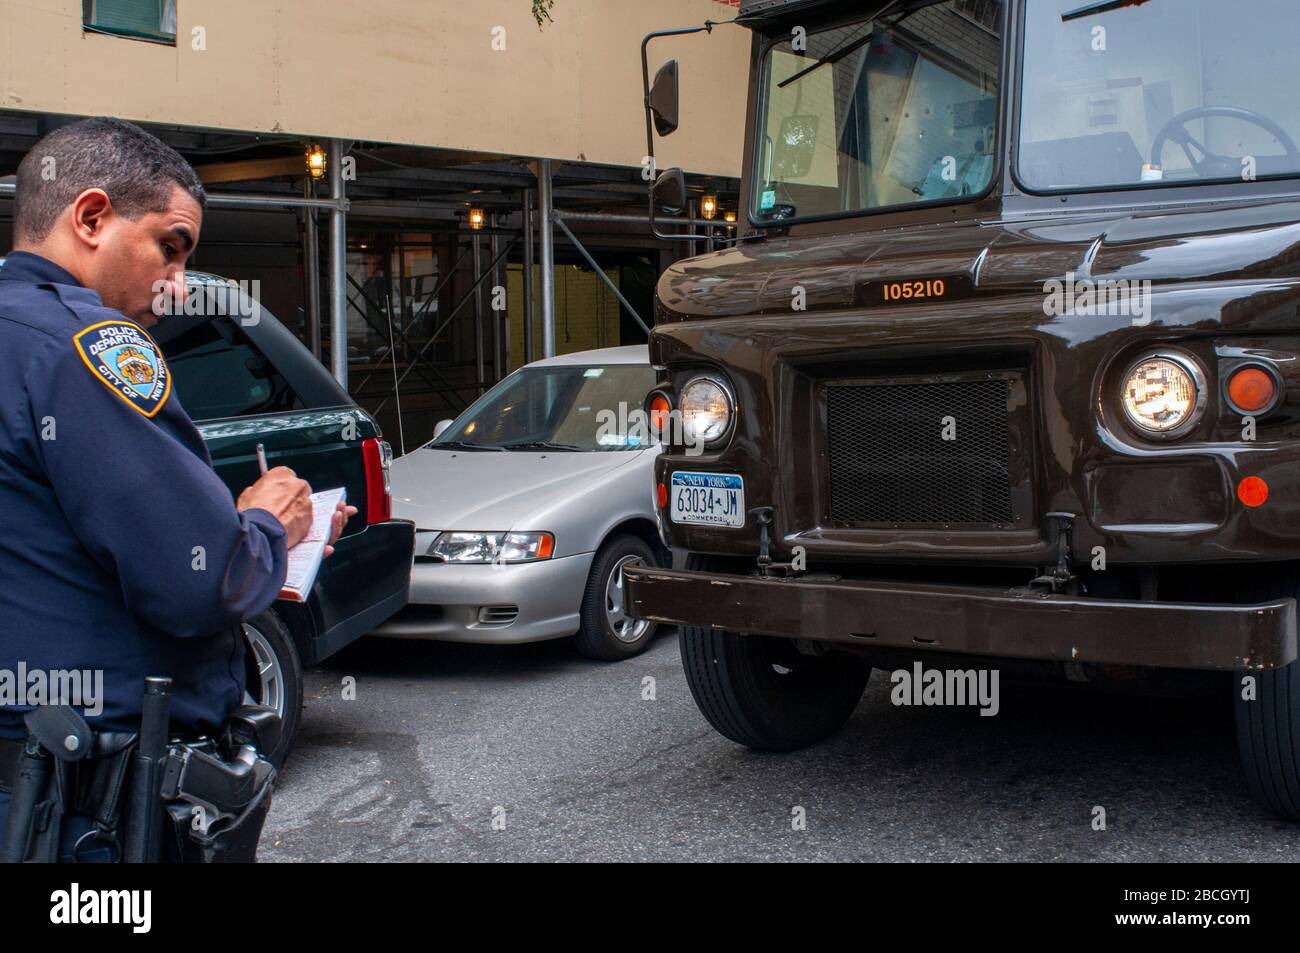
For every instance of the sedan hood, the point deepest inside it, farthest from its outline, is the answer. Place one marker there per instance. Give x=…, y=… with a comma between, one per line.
x=490, y=491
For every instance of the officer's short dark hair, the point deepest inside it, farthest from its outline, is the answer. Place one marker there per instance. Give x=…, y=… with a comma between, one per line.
x=137, y=171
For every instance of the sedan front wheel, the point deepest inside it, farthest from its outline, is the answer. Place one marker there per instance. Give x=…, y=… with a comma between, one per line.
x=608, y=632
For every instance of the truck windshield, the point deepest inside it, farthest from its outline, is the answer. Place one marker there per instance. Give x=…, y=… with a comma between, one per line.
x=902, y=111
x=1169, y=92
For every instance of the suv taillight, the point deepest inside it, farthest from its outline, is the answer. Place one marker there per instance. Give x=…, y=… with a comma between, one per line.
x=379, y=501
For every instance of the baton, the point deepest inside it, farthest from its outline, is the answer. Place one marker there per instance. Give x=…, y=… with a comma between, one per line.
x=144, y=838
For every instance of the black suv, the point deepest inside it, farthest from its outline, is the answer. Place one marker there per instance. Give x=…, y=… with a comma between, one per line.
x=245, y=379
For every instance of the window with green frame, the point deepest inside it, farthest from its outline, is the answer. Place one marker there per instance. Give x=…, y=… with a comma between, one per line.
x=139, y=19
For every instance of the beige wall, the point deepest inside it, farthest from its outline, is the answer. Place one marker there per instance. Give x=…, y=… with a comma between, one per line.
x=410, y=71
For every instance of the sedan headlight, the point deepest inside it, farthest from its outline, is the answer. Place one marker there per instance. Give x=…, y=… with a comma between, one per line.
x=457, y=547
x=706, y=408
x=1164, y=394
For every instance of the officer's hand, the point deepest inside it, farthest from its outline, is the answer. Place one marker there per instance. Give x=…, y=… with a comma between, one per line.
x=342, y=513
x=284, y=496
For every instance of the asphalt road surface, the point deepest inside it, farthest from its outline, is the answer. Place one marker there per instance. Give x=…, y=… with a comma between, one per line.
x=532, y=753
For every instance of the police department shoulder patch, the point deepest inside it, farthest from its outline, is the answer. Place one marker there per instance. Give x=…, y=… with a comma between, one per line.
x=126, y=360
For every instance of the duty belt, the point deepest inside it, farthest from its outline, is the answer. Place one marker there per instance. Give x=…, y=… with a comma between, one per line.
x=191, y=802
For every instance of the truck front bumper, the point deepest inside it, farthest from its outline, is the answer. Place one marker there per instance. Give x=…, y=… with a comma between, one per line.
x=1003, y=623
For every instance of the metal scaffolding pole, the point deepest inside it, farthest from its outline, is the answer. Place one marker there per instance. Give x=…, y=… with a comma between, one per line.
x=546, y=201
x=528, y=276
x=443, y=326
x=311, y=263
x=499, y=320
x=476, y=240
x=245, y=200
x=338, y=268
x=600, y=273
x=618, y=218
x=691, y=206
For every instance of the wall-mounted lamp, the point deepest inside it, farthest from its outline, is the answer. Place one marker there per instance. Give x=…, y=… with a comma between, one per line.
x=729, y=217
x=316, y=162
x=709, y=206
x=476, y=218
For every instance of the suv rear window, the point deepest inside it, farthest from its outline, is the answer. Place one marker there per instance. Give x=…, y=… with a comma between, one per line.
x=219, y=372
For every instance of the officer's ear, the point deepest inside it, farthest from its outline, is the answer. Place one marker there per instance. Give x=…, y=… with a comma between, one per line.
x=91, y=211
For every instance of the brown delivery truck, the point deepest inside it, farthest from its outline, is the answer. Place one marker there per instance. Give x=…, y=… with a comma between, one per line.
x=1003, y=367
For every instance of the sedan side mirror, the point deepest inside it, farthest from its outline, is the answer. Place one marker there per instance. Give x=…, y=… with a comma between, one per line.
x=441, y=426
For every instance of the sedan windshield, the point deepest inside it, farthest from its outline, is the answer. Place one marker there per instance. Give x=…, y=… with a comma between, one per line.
x=557, y=408
x=1168, y=92
x=888, y=111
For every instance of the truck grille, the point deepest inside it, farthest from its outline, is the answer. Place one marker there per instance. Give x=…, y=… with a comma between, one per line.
x=890, y=463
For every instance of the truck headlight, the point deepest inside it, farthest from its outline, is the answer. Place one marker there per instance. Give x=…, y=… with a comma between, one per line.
x=1164, y=394
x=458, y=547
x=706, y=407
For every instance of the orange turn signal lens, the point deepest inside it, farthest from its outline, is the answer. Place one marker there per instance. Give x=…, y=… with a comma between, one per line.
x=1252, y=491
x=660, y=408
x=545, y=546
x=1251, y=390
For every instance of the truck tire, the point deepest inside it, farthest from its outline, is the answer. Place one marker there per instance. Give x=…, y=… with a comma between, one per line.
x=1268, y=727
x=1268, y=738
x=273, y=674
x=606, y=632
x=761, y=691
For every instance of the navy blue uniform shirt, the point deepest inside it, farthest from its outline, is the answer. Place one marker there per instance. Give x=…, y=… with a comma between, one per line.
x=120, y=548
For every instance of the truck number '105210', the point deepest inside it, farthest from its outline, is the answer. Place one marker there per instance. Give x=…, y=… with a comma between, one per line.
x=711, y=499
x=913, y=290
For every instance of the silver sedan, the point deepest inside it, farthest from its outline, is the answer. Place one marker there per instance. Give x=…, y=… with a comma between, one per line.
x=528, y=506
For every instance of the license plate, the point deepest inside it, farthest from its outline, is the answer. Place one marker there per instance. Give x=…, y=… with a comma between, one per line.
x=714, y=499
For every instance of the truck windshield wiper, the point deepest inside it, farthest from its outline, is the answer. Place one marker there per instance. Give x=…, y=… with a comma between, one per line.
x=1101, y=6
x=834, y=56
x=464, y=445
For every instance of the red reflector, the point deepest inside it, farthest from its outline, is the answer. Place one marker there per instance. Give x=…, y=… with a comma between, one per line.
x=663, y=495
x=379, y=504
x=1252, y=491
x=1251, y=390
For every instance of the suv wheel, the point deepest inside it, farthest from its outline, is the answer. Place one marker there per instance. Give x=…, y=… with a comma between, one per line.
x=762, y=691
x=1268, y=727
x=608, y=632
x=273, y=675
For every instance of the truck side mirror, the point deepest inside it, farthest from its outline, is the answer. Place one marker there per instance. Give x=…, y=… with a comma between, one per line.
x=669, y=191
x=665, y=99
x=441, y=426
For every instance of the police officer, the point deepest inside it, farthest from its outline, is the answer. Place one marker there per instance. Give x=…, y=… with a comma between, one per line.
x=106, y=488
